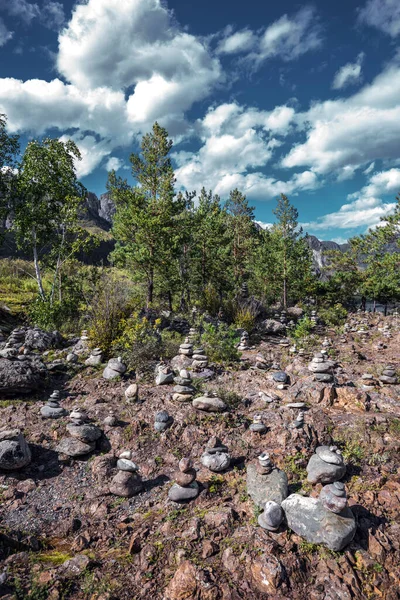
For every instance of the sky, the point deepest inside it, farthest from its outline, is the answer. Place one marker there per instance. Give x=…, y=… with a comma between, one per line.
x=267, y=97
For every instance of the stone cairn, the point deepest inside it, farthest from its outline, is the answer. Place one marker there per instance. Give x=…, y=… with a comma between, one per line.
x=283, y=317
x=322, y=368
x=389, y=376
x=244, y=342
x=14, y=450
x=314, y=318
x=280, y=378
x=72, y=357
x=326, y=343
x=185, y=487
x=95, y=358
x=272, y=516
x=115, y=368
x=164, y=375
x=386, y=331
x=16, y=339
x=193, y=334
x=183, y=390
x=186, y=349
x=333, y=497
x=162, y=421
x=132, y=393
x=52, y=408
x=127, y=482
x=265, y=482
x=244, y=290
x=209, y=403
x=216, y=456
x=83, y=435
x=111, y=419
x=368, y=382
x=298, y=423
x=326, y=465
x=200, y=359
x=257, y=426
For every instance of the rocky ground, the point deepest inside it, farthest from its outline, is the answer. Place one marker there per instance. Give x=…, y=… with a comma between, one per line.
x=64, y=535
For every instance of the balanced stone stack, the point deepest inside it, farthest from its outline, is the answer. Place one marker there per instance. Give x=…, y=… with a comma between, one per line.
x=326, y=343
x=272, y=516
x=298, y=423
x=162, y=421
x=14, y=450
x=132, y=393
x=314, y=318
x=164, y=375
x=257, y=426
x=52, y=408
x=324, y=520
x=127, y=482
x=368, y=382
x=244, y=342
x=83, y=435
x=326, y=465
x=193, y=334
x=115, y=368
x=185, y=487
x=216, y=456
x=209, y=403
x=111, y=419
x=244, y=291
x=386, y=331
x=186, y=349
x=389, y=376
x=265, y=482
x=322, y=368
x=183, y=390
x=293, y=349
x=16, y=339
x=282, y=317
x=200, y=359
x=95, y=358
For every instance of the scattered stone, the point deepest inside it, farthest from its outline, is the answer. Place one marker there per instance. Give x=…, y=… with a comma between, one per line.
x=186, y=487
x=14, y=450
x=164, y=375
x=115, y=368
x=389, y=376
x=216, y=456
x=298, y=423
x=311, y=520
x=127, y=482
x=257, y=426
x=72, y=358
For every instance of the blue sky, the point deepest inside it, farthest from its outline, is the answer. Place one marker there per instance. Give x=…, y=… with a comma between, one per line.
x=269, y=97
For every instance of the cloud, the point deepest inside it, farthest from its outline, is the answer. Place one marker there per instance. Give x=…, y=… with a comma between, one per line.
x=236, y=144
x=125, y=66
x=349, y=74
x=5, y=34
x=347, y=134
x=114, y=164
x=383, y=15
x=240, y=41
x=52, y=15
x=20, y=9
x=366, y=207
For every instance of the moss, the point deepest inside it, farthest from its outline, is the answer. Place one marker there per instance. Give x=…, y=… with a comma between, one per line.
x=53, y=557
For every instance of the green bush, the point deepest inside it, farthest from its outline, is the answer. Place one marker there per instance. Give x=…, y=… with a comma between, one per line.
x=335, y=315
x=220, y=343
x=302, y=330
x=245, y=318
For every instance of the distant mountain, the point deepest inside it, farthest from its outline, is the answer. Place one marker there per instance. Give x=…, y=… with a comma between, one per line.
x=318, y=248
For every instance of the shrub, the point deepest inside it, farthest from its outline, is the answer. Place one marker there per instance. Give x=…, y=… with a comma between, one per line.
x=335, y=315
x=245, y=318
x=220, y=343
x=139, y=341
x=302, y=330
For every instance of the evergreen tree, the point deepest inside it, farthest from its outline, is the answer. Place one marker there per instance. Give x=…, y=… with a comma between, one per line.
x=243, y=233
x=145, y=225
x=9, y=147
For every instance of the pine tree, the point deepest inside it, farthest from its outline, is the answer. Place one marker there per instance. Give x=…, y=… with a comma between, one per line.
x=243, y=233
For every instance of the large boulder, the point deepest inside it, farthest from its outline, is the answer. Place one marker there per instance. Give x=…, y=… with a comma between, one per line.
x=265, y=488
x=274, y=327
x=38, y=339
x=22, y=375
x=309, y=519
x=14, y=450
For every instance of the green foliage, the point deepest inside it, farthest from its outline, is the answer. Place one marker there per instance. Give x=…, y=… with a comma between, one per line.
x=334, y=316
x=245, y=317
x=220, y=343
x=302, y=330
x=139, y=342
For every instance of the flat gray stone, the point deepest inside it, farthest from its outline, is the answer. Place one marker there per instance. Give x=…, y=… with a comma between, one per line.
x=216, y=461
x=86, y=433
x=309, y=519
x=265, y=488
x=177, y=493
x=328, y=455
x=209, y=404
x=280, y=377
x=14, y=450
x=50, y=412
x=74, y=447
x=320, y=471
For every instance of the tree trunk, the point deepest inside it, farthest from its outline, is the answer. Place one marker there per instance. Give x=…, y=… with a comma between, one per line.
x=169, y=294
x=150, y=289
x=37, y=268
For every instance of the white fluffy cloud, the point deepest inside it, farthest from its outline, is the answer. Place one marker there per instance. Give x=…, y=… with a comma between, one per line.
x=114, y=164
x=366, y=206
x=382, y=14
x=126, y=65
x=5, y=34
x=51, y=14
x=349, y=74
x=240, y=41
x=345, y=134
x=237, y=143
